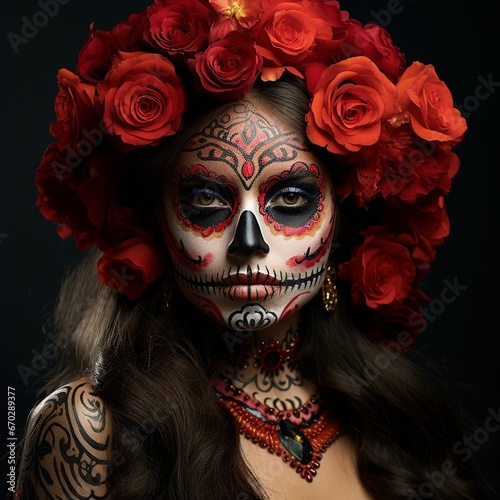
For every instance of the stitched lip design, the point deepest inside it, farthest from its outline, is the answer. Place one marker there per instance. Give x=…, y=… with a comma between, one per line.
x=251, y=285
x=257, y=278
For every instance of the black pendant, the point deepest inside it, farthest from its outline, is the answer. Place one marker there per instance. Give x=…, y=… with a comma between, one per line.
x=294, y=441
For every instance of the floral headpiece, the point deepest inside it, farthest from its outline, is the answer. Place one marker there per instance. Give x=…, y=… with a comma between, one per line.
x=391, y=129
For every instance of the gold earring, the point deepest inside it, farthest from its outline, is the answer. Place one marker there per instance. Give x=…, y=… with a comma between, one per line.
x=329, y=290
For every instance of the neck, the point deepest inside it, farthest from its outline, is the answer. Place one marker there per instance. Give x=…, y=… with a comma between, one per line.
x=247, y=364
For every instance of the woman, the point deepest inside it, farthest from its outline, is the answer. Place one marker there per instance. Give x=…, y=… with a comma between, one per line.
x=227, y=160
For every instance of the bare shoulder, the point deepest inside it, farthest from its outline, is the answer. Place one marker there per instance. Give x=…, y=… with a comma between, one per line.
x=67, y=447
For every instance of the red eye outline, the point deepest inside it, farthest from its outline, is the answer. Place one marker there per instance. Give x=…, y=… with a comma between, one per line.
x=265, y=187
x=202, y=171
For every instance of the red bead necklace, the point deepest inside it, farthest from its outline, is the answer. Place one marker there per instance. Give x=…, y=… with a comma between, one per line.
x=298, y=436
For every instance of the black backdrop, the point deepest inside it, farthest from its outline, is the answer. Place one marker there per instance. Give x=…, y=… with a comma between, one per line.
x=461, y=40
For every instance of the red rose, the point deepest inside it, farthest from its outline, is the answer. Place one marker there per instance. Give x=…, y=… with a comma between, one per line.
x=143, y=99
x=428, y=102
x=129, y=267
x=287, y=35
x=177, y=28
x=375, y=42
x=229, y=67
x=74, y=108
x=351, y=101
x=381, y=270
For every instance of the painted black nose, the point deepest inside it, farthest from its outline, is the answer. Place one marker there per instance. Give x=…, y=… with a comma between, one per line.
x=248, y=238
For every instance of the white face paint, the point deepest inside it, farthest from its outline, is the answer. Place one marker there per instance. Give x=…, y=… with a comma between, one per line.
x=249, y=219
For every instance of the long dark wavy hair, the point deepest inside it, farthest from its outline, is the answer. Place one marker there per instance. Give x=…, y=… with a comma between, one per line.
x=152, y=366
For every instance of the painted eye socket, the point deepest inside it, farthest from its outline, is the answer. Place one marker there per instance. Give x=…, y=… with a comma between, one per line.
x=292, y=203
x=289, y=199
x=207, y=198
x=205, y=205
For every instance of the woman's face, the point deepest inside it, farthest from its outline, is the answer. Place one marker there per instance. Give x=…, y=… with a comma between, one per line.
x=248, y=219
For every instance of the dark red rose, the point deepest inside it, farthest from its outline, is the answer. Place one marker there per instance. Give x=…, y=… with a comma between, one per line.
x=229, y=67
x=398, y=325
x=143, y=100
x=381, y=270
x=120, y=223
x=177, y=28
x=58, y=200
x=130, y=266
x=417, y=174
x=96, y=56
x=375, y=42
x=362, y=180
x=129, y=34
x=426, y=222
x=74, y=108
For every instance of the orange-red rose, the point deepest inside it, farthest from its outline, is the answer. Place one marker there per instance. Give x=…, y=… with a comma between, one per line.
x=287, y=34
x=143, y=100
x=229, y=67
x=129, y=267
x=351, y=101
x=381, y=270
x=428, y=102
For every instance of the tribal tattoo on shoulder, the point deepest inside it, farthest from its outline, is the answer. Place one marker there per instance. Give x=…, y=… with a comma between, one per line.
x=246, y=141
x=71, y=446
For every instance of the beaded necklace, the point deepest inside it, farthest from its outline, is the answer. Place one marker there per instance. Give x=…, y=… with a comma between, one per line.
x=299, y=436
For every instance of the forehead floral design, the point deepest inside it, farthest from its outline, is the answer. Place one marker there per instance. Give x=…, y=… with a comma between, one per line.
x=390, y=127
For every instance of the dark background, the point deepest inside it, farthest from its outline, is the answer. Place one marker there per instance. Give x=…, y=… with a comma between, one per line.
x=459, y=38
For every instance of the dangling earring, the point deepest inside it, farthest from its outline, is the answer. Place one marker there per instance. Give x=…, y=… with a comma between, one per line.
x=329, y=290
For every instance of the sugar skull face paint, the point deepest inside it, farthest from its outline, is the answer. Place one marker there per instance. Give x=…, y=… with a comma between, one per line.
x=248, y=219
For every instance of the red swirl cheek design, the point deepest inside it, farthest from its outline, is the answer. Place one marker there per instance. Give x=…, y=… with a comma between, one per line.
x=304, y=223
x=312, y=256
x=176, y=247
x=205, y=226
x=291, y=307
